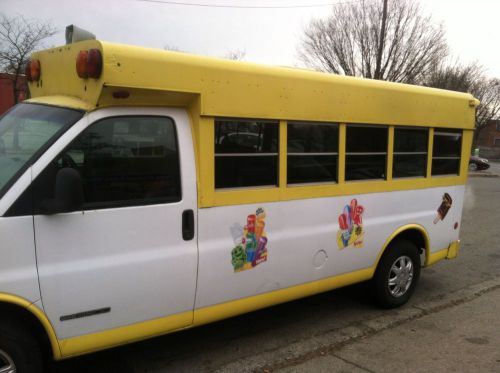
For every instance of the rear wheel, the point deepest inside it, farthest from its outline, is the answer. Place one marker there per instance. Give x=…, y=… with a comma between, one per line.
x=472, y=166
x=397, y=274
x=19, y=351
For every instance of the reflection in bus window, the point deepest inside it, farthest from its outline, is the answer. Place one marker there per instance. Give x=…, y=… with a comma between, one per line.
x=446, y=152
x=246, y=153
x=312, y=153
x=410, y=152
x=123, y=161
x=366, y=152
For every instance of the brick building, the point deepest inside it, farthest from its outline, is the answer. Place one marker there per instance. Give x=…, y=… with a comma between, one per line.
x=488, y=140
x=7, y=91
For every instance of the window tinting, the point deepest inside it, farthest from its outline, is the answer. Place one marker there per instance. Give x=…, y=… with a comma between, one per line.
x=410, y=152
x=446, y=152
x=122, y=161
x=312, y=138
x=246, y=153
x=366, y=139
x=447, y=144
x=312, y=152
x=445, y=166
x=366, y=152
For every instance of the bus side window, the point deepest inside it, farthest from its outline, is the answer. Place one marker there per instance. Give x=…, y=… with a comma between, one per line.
x=366, y=152
x=246, y=153
x=446, y=152
x=410, y=152
x=312, y=152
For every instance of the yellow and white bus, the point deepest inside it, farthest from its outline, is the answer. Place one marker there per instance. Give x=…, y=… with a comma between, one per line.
x=144, y=192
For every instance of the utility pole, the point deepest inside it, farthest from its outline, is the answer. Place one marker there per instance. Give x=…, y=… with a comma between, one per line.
x=381, y=42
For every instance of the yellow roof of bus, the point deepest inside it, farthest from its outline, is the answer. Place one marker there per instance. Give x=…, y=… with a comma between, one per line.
x=227, y=88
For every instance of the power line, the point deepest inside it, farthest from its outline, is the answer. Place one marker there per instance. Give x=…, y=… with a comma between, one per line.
x=244, y=6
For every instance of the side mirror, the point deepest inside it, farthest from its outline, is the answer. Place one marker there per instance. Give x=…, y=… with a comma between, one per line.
x=68, y=193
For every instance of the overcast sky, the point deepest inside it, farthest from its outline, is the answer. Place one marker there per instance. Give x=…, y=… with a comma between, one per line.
x=266, y=35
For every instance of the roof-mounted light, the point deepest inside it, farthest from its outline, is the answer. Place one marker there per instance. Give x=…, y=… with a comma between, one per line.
x=75, y=34
x=89, y=64
x=33, y=70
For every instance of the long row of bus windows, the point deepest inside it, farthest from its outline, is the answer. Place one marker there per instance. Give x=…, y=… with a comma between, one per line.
x=247, y=152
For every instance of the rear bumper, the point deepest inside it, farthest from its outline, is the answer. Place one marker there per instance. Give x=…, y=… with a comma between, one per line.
x=453, y=250
x=449, y=253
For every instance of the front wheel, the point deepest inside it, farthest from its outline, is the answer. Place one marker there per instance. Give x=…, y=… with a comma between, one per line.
x=397, y=274
x=19, y=351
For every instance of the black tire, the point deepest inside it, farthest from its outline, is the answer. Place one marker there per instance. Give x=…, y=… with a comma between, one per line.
x=19, y=347
x=473, y=167
x=393, y=289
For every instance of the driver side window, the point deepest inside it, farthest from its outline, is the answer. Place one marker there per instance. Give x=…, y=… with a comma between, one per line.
x=122, y=161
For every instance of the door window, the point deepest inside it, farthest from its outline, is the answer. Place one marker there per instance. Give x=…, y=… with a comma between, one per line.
x=122, y=161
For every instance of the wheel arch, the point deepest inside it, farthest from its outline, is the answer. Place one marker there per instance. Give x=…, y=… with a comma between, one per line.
x=25, y=311
x=412, y=232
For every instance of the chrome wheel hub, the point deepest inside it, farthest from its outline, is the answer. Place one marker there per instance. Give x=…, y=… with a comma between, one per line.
x=6, y=363
x=400, y=276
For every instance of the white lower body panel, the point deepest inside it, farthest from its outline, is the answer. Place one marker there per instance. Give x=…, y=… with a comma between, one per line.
x=311, y=239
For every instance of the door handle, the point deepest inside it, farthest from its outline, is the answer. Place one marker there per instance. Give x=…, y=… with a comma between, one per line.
x=187, y=225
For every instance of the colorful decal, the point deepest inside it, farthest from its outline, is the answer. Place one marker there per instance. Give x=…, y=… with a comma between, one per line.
x=443, y=208
x=250, y=241
x=351, y=230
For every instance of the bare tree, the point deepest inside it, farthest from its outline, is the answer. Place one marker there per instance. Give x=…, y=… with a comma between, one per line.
x=454, y=76
x=236, y=55
x=19, y=37
x=488, y=92
x=394, y=42
x=471, y=79
x=171, y=47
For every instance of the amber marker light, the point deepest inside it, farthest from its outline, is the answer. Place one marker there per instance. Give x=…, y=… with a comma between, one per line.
x=94, y=63
x=33, y=71
x=81, y=64
x=89, y=64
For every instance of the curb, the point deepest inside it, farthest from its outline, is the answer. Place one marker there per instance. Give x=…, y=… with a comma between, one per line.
x=333, y=340
x=483, y=175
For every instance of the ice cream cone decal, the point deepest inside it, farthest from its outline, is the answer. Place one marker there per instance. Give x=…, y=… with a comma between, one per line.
x=351, y=230
x=443, y=209
x=250, y=241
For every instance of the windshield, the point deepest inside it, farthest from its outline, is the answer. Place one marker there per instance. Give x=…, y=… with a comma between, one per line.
x=24, y=132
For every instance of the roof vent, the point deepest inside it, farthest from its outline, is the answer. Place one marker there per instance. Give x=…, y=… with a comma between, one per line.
x=74, y=34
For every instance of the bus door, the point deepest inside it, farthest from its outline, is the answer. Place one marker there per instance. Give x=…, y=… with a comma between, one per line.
x=129, y=254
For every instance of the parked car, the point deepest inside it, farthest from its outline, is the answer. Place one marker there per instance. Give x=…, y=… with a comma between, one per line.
x=478, y=163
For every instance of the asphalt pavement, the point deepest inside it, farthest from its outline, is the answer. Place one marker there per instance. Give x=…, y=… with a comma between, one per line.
x=450, y=324
x=462, y=337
